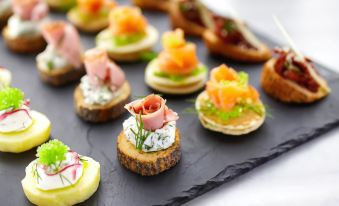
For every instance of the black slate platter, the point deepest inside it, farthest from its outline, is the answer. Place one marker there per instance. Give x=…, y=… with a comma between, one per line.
x=208, y=159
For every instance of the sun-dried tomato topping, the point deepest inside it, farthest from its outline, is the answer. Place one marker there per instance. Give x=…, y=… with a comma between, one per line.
x=292, y=68
x=190, y=11
x=228, y=31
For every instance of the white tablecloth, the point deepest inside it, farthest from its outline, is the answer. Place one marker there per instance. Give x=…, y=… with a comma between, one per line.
x=308, y=175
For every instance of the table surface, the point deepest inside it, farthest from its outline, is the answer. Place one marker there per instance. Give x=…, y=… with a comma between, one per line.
x=308, y=175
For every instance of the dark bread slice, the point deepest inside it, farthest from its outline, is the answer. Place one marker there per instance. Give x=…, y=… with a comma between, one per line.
x=179, y=21
x=24, y=44
x=157, y=5
x=4, y=18
x=286, y=90
x=102, y=113
x=147, y=163
x=60, y=77
x=217, y=46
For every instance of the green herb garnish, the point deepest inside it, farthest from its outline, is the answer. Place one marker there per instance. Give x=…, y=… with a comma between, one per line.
x=179, y=78
x=123, y=40
x=230, y=26
x=11, y=98
x=209, y=108
x=50, y=65
x=140, y=135
x=52, y=152
x=148, y=56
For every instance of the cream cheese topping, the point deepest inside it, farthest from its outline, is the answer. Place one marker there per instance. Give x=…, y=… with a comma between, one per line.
x=5, y=78
x=50, y=59
x=15, y=121
x=71, y=171
x=18, y=27
x=160, y=139
x=100, y=95
x=5, y=7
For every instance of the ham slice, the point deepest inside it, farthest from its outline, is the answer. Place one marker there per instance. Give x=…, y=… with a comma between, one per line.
x=30, y=9
x=65, y=38
x=102, y=71
x=153, y=110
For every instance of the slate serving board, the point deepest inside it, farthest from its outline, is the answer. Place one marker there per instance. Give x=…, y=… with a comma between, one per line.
x=208, y=159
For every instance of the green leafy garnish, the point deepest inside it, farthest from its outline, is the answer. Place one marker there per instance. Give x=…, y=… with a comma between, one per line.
x=86, y=17
x=179, y=78
x=210, y=109
x=11, y=98
x=50, y=65
x=52, y=152
x=148, y=56
x=230, y=26
x=140, y=135
x=123, y=40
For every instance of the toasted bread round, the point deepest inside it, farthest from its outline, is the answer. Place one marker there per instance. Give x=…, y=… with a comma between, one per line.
x=61, y=5
x=246, y=123
x=179, y=21
x=32, y=44
x=157, y=5
x=147, y=163
x=86, y=186
x=286, y=90
x=33, y=136
x=95, y=25
x=60, y=76
x=102, y=113
x=238, y=53
x=127, y=53
x=168, y=86
x=4, y=17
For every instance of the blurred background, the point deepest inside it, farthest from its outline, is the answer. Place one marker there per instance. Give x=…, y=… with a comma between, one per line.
x=308, y=175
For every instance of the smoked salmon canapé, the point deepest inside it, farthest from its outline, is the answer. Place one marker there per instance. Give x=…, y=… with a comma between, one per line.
x=129, y=35
x=61, y=62
x=60, y=176
x=5, y=78
x=22, y=33
x=150, y=141
x=91, y=15
x=21, y=128
x=5, y=12
x=61, y=5
x=104, y=91
x=185, y=14
x=228, y=36
x=177, y=69
x=290, y=77
x=230, y=105
x=156, y=5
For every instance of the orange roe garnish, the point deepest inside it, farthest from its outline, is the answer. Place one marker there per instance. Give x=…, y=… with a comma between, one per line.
x=127, y=20
x=178, y=56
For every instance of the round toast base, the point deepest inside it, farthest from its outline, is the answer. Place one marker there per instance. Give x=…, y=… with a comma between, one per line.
x=102, y=113
x=284, y=89
x=60, y=77
x=147, y=163
x=24, y=44
x=229, y=129
x=155, y=5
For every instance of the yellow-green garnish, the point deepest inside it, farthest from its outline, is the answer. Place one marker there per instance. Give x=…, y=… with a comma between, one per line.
x=11, y=98
x=178, y=78
x=52, y=152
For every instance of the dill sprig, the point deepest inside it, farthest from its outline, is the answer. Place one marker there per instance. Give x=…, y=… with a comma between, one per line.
x=141, y=134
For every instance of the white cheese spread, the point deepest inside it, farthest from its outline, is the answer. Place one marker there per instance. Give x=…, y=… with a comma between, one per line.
x=50, y=59
x=71, y=171
x=99, y=95
x=15, y=121
x=160, y=139
x=18, y=27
